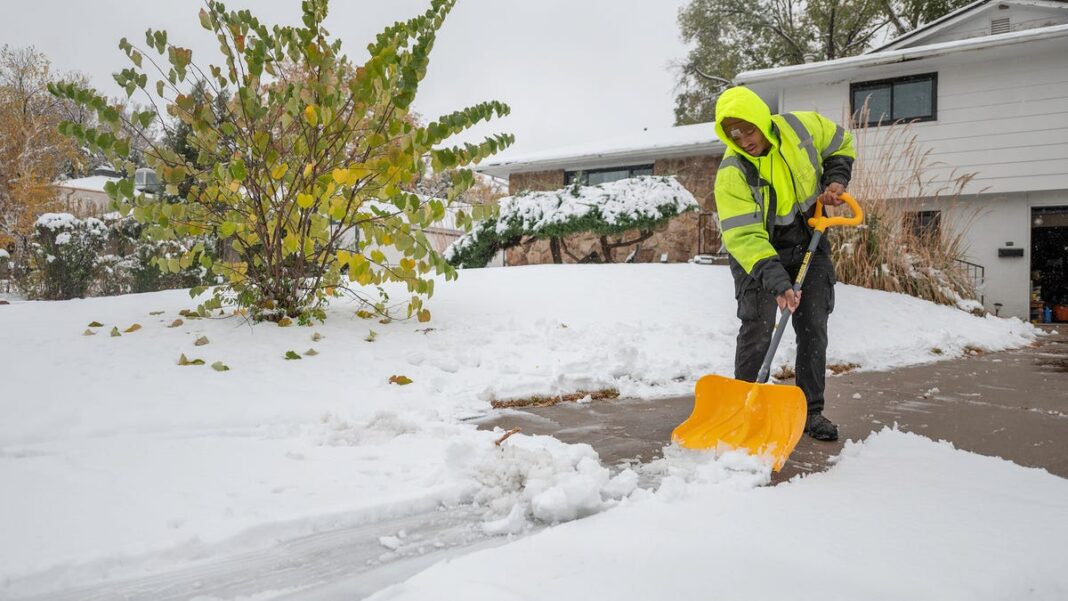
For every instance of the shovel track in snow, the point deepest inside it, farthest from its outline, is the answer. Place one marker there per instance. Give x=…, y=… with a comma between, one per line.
x=349, y=562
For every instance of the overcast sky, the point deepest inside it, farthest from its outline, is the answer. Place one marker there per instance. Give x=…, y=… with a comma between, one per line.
x=572, y=70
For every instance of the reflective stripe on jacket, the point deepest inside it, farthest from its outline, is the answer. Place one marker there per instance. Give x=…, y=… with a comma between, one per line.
x=803, y=145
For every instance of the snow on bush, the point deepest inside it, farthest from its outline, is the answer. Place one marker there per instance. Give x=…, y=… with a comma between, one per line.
x=640, y=203
x=132, y=264
x=64, y=251
x=72, y=258
x=623, y=202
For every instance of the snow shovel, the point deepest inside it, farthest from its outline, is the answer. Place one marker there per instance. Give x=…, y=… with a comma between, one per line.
x=764, y=419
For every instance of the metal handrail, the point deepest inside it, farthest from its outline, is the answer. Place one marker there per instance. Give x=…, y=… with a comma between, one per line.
x=978, y=275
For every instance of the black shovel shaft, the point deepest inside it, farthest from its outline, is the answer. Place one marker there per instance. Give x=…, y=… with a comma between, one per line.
x=765, y=368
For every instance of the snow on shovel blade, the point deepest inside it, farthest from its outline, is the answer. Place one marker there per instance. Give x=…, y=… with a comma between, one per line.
x=763, y=419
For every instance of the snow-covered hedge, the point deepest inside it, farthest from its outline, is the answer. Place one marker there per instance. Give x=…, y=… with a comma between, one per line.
x=131, y=264
x=64, y=250
x=638, y=203
x=73, y=258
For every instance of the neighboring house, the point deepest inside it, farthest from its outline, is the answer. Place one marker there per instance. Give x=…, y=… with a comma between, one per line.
x=691, y=153
x=84, y=196
x=440, y=235
x=987, y=86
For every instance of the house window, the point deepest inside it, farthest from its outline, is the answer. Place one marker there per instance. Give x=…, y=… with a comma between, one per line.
x=912, y=98
x=592, y=177
x=925, y=225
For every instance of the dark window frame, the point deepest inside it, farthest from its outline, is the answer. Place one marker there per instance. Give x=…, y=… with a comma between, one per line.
x=925, y=225
x=569, y=176
x=859, y=86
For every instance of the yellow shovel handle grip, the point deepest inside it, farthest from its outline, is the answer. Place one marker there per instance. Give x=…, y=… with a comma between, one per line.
x=820, y=223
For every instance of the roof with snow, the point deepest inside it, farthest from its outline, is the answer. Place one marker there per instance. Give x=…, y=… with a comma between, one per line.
x=93, y=183
x=636, y=148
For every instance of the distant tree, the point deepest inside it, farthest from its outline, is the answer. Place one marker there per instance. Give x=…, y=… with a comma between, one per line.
x=731, y=36
x=32, y=152
x=179, y=136
x=295, y=165
x=906, y=15
x=437, y=185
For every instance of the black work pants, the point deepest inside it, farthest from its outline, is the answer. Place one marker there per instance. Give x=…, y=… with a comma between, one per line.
x=758, y=311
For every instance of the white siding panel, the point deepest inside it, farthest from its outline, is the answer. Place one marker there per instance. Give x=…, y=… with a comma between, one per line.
x=1040, y=87
x=1050, y=128
x=999, y=111
x=989, y=139
x=993, y=222
x=1019, y=172
x=830, y=99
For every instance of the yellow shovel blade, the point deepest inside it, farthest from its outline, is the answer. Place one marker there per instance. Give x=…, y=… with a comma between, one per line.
x=764, y=419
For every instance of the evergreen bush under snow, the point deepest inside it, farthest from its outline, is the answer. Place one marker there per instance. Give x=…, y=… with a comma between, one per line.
x=74, y=258
x=64, y=254
x=638, y=203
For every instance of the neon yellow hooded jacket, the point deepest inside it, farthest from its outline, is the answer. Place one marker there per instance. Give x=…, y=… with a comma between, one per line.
x=807, y=152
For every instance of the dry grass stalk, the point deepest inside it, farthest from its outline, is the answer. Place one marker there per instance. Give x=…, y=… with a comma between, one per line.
x=507, y=434
x=842, y=368
x=549, y=401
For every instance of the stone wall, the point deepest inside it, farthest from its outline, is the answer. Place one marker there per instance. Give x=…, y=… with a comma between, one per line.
x=535, y=181
x=678, y=238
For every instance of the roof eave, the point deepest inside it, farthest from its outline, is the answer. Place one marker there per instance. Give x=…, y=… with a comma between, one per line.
x=907, y=54
x=77, y=189
x=602, y=159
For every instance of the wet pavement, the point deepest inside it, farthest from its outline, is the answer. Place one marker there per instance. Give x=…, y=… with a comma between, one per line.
x=1011, y=404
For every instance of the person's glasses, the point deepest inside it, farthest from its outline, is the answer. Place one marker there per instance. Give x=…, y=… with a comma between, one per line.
x=738, y=132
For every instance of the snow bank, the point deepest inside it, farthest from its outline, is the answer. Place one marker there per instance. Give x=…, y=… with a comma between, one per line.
x=899, y=517
x=539, y=479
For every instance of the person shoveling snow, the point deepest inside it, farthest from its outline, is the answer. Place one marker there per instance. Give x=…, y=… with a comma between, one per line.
x=777, y=174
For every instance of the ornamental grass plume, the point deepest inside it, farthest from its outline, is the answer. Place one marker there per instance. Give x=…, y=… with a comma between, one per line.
x=894, y=178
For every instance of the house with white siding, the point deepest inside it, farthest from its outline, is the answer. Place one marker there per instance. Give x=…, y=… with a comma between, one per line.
x=85, y=196
x=986, y=91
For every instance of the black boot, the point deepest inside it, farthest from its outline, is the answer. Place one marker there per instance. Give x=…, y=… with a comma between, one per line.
x=820, y=427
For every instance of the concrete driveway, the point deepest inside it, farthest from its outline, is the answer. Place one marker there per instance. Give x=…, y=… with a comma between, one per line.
x=1011, y=404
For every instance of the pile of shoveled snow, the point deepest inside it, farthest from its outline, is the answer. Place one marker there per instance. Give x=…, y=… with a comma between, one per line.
x=538, y=478
x=899, y=517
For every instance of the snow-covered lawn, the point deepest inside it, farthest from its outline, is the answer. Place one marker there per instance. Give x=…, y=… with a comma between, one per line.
x=109, y=450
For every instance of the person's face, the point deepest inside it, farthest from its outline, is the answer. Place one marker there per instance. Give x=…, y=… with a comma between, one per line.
x=747, y=136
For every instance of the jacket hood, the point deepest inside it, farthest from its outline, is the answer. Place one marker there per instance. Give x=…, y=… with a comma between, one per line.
x=742, y=103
